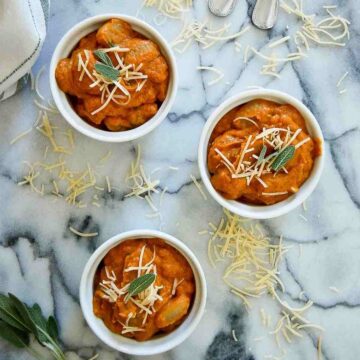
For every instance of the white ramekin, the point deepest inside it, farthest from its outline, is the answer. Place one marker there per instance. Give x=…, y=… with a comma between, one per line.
x=67, y=44
x=257, y=211
x=158, y=344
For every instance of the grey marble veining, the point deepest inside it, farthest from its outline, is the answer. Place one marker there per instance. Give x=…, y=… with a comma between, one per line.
x=42, y=261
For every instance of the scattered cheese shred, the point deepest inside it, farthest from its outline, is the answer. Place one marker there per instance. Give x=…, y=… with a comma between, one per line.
x=108, y=184
x=279, y=42
x=142, y=186
x=274, y=193
x=342, y=79
x=20, y=136
x=215, y=70
x=234, y=335
x=198, y=186
x=138, y=181
x=319, y=350
x=82, y=234
x=176, y=283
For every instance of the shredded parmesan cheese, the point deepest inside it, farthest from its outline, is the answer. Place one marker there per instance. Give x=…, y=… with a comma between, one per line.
x=206, y=37
x=251, y=270
x=169, y=8
x=176, y=283
x=319, y=350
x=279, y=42
x=142, y=186
x=20, y=136
x=198, y=186
x=74, y=184
x=138, y=181
x=108, y=184
x=334, y=289
x=274, y=193
x=82, y=234
x=215, y=70
x=342, y=79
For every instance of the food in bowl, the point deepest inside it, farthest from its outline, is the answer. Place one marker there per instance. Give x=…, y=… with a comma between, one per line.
x=115, y=78
x=142, y=288
x=260, y=153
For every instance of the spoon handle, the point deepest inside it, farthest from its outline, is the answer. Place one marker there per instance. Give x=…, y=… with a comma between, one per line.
x=265, y=13
x=222, y=7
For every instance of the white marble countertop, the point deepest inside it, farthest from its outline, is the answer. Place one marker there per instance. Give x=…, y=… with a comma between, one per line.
x=42, y=261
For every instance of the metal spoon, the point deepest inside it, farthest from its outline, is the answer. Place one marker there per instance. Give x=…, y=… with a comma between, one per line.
x=265, y=13
x=222, y=7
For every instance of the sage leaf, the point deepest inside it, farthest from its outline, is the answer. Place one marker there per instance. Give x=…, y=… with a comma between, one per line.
x=52, y=328
x=9, y=314
x=103, y=57
x=107, y=71
x=18, y=338
x=262, y=155
x=140, y=284
x=39, y=320
x=283, y=157
x=18, y=321
x=23, y=311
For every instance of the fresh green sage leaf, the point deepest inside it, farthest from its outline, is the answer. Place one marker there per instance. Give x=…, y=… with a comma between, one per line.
x=52, y=328
x=107, y=71
x=262, y=155
x=18, y=321
x=140, y=284
x=9, y=314
x=38, y=318
x=103, y=57
x=22, y=309
x=18, y=338
x=283, y=157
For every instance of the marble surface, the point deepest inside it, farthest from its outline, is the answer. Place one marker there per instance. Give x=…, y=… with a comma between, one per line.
x=42, y=261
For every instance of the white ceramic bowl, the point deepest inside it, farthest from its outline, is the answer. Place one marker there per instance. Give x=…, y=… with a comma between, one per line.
x=257, y=211
x=158, y=344
x=67, y=44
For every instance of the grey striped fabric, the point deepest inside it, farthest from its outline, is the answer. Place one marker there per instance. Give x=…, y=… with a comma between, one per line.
x=19, y=53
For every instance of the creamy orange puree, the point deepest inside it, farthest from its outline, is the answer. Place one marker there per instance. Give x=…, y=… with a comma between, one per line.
x=230, y=137
x=121, y=113
x=176, y=301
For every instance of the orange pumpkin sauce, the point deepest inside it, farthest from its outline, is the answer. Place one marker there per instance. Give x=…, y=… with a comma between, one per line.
x=118, y=115
x=230, y=137
x=171, y=266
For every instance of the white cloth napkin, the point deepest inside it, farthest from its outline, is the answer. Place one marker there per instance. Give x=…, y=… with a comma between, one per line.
x=22, y=33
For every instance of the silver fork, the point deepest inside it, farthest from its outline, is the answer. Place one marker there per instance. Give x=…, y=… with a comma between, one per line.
x=265, y=13
x=222, y=7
